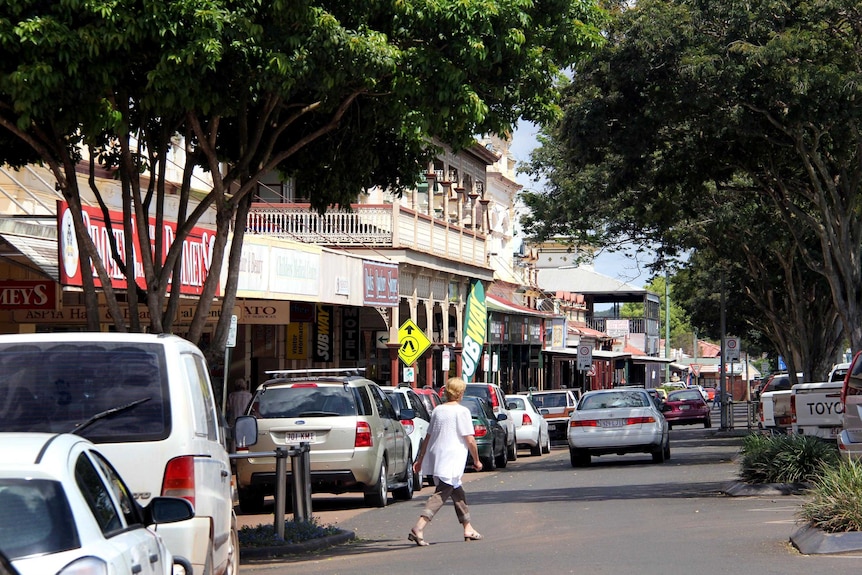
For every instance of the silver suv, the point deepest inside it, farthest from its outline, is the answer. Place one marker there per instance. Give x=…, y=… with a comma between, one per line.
x=358, y=443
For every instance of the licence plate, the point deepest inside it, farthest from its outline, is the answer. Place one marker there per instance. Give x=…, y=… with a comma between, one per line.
x=299, y=436
x=611, y=422
x=684, y=407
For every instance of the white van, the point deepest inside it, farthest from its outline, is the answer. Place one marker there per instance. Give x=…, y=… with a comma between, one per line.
x=146, y=400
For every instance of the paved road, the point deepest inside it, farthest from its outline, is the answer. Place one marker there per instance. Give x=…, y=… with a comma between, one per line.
x=621, y=515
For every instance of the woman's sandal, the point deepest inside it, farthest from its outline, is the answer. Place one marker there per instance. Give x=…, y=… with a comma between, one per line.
x=417, y=539
x=475, y=536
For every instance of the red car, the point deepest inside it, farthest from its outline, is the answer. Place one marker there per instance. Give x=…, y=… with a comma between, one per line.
x=428, y=397
x=686, y=406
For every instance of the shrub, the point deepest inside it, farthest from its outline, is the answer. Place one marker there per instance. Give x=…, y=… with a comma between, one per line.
x=836, y=500
x=785, y=458
x=294, y=532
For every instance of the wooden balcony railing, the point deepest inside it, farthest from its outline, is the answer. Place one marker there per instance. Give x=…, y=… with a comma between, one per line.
x=378, y=226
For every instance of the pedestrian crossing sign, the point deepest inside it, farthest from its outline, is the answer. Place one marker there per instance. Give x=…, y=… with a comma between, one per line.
x=412, y=342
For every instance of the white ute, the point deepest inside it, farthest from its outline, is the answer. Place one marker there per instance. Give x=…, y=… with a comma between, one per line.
x=816, y=409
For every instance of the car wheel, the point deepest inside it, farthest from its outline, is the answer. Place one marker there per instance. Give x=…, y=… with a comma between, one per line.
x=707, y=423
x=536, y=450
x=490, y=464
x=512, y=451
x=406, y=493
x=658, y=454
x=669, y=426
x=579, y=458
x=250, y=500
x=667, y=450
x=546, y=448
x=379, y=494
x=503, y=458
x=233, y=552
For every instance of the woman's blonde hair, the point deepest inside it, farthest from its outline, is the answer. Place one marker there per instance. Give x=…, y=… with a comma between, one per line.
x=455, y=388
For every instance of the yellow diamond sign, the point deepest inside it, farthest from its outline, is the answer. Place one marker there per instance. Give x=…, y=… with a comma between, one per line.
x=412, y=342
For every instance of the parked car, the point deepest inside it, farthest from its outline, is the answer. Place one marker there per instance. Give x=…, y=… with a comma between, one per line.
x=65, y=510
x=850, y=437
x=620, y=420
x=146, y=400
x=358, y=443
x=404, y=398
x=493, y=394
x=489, y=433
x=429, y=397
x=838, y=371
x=560, y=403
x=686, y=407
x=531, y=427
x=710, y=393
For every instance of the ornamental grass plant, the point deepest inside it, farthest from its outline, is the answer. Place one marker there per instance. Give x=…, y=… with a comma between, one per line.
x=264, y=535
x=836, y=499
x=786, y=458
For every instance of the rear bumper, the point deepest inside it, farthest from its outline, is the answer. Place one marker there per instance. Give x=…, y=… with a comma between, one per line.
x=321, y=481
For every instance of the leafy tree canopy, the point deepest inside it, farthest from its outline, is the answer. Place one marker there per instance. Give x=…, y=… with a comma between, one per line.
x=694, y=111
x=343, y=95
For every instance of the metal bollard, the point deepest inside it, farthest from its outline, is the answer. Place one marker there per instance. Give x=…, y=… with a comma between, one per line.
x=300, y=463
x=280, y=489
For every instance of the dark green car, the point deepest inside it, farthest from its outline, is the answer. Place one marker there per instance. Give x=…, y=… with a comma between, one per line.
x=489, y=433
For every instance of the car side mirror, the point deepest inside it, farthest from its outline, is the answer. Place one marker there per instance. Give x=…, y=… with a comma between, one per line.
x=545, y=411
x=245, y=431
x=502, y=417
x=168, y=510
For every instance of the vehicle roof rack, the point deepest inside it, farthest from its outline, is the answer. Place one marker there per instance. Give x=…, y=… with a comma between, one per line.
x=321, y=370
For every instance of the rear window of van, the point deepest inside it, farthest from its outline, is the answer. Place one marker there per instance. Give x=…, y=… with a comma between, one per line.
x=106, y=392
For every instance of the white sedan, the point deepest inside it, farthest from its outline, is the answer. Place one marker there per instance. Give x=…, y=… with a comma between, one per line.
x=620, y=420
x=64, y=510
x=531, y=427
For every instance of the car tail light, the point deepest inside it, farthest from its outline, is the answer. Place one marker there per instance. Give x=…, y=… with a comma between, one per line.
x=363, y=435
x=793, y=409
x=408, y=426
x=480, y=430
x=526, y=420
x=760, y=412
x=495, y=401
x=179, y=480
x=640, y=420
x=304, y=385
x=584, y=423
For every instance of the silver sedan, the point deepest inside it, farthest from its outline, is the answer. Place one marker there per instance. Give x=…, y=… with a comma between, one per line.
x=621, y=420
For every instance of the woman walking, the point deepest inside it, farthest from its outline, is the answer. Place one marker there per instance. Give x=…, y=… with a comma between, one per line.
x=444, y=455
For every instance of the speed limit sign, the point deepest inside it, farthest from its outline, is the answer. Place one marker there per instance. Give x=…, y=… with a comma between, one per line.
x=585, y=357
x=731, y=349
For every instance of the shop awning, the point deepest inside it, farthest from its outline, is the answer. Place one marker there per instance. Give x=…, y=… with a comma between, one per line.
x=31, y=245
x=498, y=304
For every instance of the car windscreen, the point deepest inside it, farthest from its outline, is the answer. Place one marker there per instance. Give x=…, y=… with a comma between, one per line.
x=686, y=395
x=517, y=401
x=304, y=401
x=105, y=392
x=614, y=399
x=549, y=400
x=35, y=518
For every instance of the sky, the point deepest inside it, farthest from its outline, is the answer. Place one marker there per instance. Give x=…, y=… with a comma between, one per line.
x=618, y=265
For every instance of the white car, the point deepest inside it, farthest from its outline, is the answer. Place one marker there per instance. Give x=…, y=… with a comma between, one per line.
x=531, y=428
x=65, y=510
x=620, y=420
x=403, y=398
x=146, y=400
